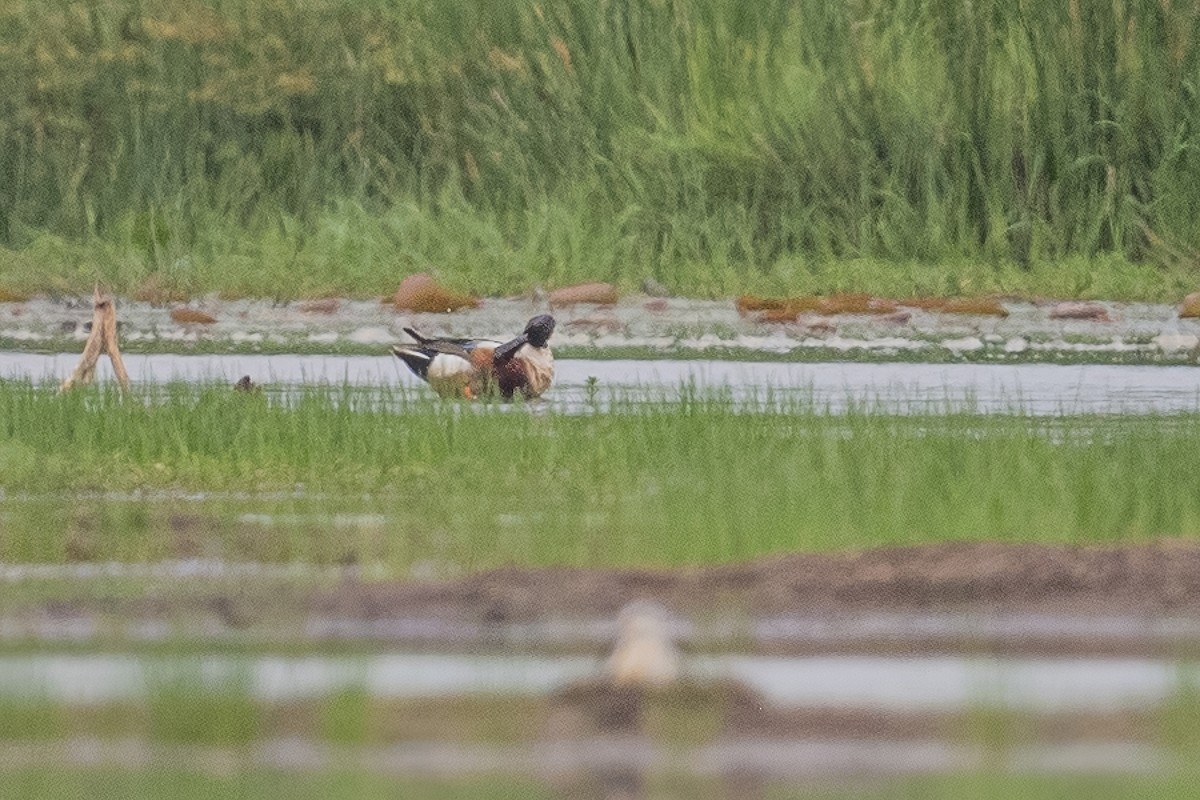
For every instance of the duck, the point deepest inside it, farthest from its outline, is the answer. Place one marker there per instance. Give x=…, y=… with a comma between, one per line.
x=473, y=368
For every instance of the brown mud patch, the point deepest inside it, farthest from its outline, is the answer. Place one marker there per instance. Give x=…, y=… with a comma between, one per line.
x=785, y=309
x=604, y=294
x=1150, y=578
x=1140, y=599
x=589, y=736
x=421, y=292
x=1190, y=307
x=192, y=316
x=981, y=306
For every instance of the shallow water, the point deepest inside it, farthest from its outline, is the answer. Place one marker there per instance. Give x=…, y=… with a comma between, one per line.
x=838, y=684
x=881, y=683
x=1042, y=389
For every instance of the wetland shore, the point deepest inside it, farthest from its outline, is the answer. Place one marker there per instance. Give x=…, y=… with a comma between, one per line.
x=635, y=327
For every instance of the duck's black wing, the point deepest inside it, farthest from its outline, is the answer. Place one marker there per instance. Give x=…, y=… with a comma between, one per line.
x=421, y=355
x=466, y=344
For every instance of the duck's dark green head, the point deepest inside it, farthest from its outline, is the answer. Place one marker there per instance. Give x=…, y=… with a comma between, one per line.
x=537, y=333
x=538, y=330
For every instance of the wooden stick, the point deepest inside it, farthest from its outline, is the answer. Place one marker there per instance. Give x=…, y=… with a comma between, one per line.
x=103, y=339
x=111, y=345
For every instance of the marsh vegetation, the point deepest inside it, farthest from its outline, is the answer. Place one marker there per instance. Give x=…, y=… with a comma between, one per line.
x=314, y=147
x=263, y=519
x=692, y=478
x=327, y=148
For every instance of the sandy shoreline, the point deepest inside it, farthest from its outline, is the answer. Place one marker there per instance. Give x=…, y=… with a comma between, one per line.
x=636, y=326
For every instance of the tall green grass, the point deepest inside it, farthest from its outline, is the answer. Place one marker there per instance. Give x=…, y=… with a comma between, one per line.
x=716, y=144
x=691, y=480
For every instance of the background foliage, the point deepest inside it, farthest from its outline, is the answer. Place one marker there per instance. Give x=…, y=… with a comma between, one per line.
x=713, y=144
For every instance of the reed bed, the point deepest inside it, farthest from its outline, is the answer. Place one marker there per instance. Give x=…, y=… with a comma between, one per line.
x=326, y=476
x=324, y=146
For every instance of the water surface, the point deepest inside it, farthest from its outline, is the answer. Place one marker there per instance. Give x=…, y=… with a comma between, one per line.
x=1043, y=389
x=881, y=683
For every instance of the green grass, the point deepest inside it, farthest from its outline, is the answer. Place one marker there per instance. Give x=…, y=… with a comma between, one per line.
x=200, y=784
x=261, y=783
x=172, y=782
x=317, y=146
x=686, y=479
x=1002, y=786
x=207, y=761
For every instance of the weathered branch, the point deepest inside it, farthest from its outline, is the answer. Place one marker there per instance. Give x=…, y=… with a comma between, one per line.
x=103, y=339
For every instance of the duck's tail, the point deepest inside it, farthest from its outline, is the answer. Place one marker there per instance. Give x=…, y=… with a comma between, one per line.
x=418, y=337
x=415, y=357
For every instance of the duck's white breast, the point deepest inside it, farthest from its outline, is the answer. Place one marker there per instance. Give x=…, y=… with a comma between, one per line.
x=539, y=368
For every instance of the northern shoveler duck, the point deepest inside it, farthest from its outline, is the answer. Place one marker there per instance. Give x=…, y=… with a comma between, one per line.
x=472, y=368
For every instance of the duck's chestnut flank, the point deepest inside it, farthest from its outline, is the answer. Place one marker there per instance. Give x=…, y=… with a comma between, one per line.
x=474, y=367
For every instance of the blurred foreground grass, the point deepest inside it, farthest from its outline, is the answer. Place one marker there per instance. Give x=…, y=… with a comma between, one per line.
x=181, y=784
x=50, y=783
x=196, y=744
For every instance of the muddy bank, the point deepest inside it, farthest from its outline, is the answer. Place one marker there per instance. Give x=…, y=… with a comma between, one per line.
x=635, y=326
x=501, y=672
x=1152, y=578
x=1138, y=599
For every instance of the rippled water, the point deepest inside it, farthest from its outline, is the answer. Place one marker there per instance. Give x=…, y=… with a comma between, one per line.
x=930, y=683
x=1043, y=389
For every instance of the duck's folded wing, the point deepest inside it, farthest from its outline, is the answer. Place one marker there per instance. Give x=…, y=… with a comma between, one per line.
x=443, y=341
x=419, y=357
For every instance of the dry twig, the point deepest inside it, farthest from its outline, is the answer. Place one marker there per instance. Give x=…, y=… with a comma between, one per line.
x=103, y=339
